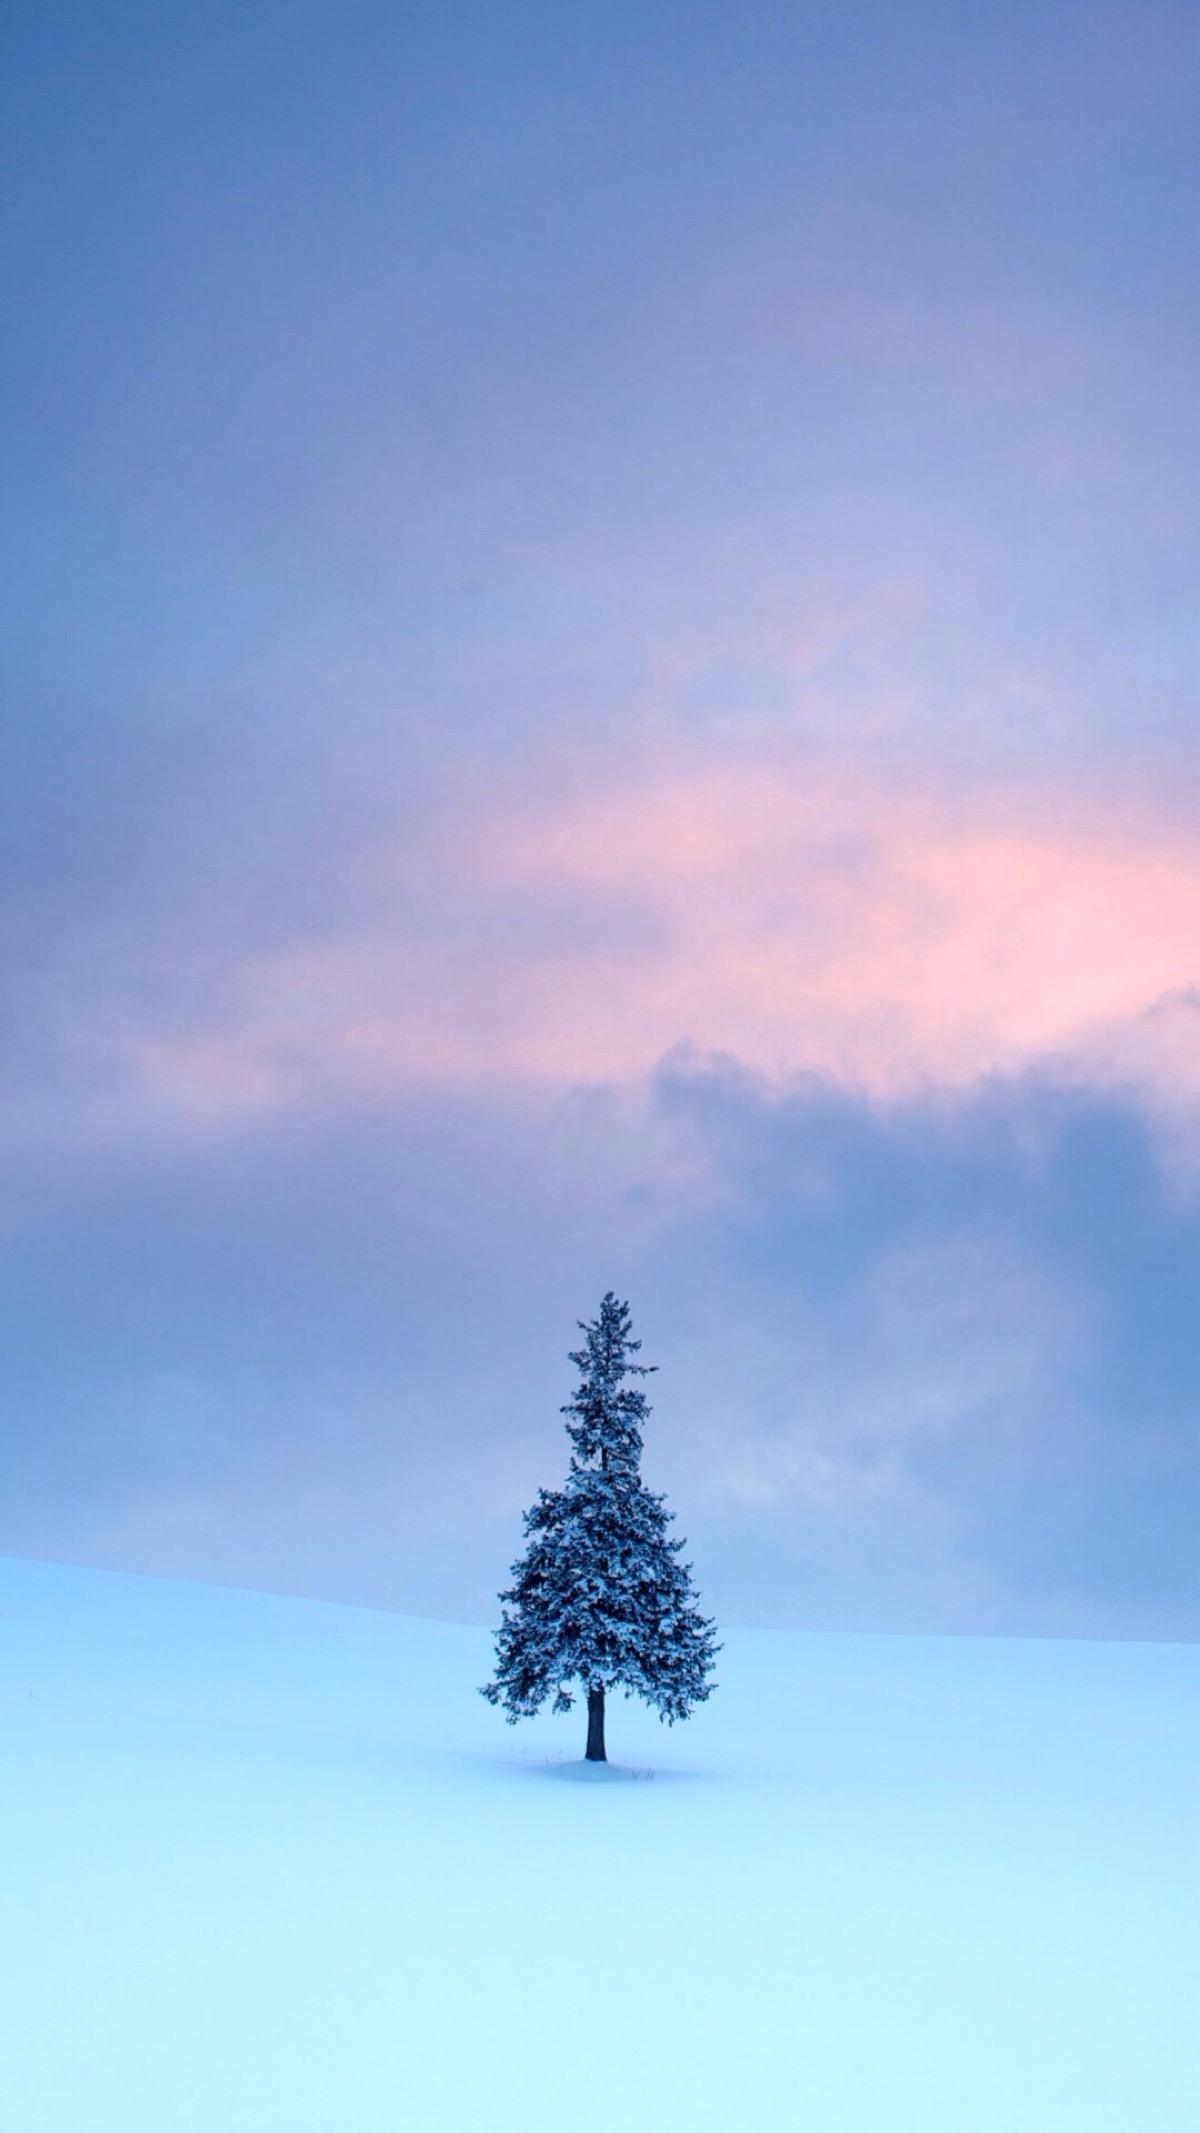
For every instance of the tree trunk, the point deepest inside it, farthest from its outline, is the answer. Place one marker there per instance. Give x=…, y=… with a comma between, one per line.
x=595, y=1746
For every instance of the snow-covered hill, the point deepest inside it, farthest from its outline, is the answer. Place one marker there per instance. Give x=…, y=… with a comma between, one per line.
x=273, y=1867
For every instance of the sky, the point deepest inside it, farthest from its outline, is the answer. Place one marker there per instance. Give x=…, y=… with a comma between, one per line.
x=600, y=621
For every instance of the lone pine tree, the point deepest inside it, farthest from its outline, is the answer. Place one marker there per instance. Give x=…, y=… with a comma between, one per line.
x=600, y=1598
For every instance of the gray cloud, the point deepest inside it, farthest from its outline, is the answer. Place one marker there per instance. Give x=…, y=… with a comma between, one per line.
x=931, y=1366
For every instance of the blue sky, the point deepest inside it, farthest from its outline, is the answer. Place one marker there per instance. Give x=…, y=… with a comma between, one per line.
x=600, y=691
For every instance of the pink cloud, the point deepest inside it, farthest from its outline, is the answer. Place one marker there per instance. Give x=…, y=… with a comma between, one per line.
x=810, y=920
x=791, y=913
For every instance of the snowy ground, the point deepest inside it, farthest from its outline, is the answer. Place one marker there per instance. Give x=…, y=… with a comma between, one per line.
x=272, y=1867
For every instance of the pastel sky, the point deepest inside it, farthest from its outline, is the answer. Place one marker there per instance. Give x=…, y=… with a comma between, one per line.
x=601, y=691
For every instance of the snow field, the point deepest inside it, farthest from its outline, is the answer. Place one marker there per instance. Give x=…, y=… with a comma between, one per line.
x=274, y=1867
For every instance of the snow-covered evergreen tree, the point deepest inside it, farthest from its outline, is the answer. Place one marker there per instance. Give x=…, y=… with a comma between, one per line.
x=600, y=1598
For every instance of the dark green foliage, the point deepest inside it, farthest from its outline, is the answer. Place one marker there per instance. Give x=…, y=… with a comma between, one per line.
x=600, y=1598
